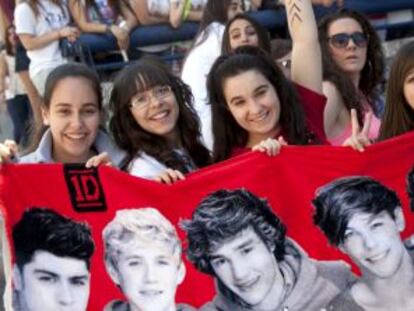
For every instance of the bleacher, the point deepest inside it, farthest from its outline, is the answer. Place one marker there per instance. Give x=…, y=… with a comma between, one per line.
x=274, y=20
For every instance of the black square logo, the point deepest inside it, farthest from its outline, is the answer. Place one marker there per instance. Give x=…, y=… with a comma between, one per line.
x=85, y=188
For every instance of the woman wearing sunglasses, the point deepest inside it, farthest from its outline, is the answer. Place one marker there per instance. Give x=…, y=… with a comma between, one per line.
x=399, y=106
x=353, y=68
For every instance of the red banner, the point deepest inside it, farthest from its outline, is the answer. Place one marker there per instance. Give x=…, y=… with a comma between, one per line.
x=288, y=181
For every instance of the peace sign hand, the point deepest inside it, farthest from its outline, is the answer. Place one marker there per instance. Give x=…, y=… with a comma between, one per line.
x=359, y=138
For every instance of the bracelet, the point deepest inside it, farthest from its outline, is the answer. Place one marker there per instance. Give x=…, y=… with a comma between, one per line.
x=124, y=26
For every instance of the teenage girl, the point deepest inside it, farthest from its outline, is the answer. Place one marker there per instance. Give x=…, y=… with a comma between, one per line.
x=353, y=68
x=154, y=121
x=243, y=30
x=255, y=107
x=71, y=121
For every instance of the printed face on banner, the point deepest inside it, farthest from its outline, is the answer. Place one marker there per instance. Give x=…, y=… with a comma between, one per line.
x=148, y=276
x=52, y=283
x=247, y=267
x=243, y=263
x=374, y=242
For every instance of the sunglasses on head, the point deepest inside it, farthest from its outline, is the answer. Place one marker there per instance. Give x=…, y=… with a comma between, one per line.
x=341, y=40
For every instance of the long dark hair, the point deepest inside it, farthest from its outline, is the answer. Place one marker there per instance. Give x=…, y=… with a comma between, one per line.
x=214, y=11
x=10, y=49
x=399, y=115
x=70, y=70
x=130, y=136
x=227, y=133
x=371, y=74
x=262, y=34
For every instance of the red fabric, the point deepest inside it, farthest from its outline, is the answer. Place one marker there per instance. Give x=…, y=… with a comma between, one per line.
x=288, y=180
x=314, y=106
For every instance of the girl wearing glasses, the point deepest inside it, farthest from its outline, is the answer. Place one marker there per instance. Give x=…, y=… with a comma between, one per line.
x=352, y=70
x=155, y=123
x=399, y=107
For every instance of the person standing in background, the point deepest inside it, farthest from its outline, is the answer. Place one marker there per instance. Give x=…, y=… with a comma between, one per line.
x=13, y=92
x=40, y=25
x=206, y=48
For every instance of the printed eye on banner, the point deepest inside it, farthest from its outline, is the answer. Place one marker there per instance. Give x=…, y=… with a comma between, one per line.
x=85, y=189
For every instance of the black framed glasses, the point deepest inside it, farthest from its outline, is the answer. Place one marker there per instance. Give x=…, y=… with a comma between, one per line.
x=341, y=40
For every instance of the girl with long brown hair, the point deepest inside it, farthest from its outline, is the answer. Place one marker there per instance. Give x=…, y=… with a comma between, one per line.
x=399, y=107
x=353, y=68
x=154, y=121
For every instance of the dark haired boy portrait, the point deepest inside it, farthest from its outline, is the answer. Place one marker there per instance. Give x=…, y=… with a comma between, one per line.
x=235, y=237
x=364, y=219
x=53, y=255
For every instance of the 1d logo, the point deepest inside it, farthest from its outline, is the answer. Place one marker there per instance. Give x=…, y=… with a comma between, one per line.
x=85, y=188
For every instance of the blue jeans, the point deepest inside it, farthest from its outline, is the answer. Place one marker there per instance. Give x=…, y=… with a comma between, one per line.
x=21, y=113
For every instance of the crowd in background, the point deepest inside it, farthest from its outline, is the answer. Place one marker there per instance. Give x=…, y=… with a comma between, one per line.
x=239, y=89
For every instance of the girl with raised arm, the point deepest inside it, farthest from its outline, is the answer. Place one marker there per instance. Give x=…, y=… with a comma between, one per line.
x=206, y=49
x=353, y=68
x=255, y=107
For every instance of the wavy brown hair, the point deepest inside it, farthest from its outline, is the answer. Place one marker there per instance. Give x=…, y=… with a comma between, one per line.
x=10, y=49
x=228, y=134
x=371, y=74
x=399, y=115
x=130, y=136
